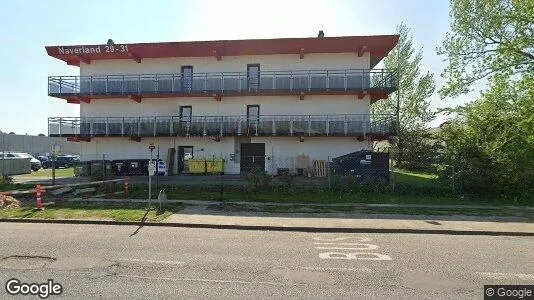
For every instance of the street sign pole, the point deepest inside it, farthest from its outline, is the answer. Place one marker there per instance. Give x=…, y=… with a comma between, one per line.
x=150, y=180
x=150, y=174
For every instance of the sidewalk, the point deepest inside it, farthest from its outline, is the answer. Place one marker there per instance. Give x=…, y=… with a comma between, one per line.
x=207, y=214
x=196, y=217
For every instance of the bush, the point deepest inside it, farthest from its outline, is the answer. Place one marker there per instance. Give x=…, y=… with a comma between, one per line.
x=6, y=179
x=256, y=179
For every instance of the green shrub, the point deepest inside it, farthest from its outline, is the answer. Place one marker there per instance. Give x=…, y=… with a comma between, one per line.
x=6, y=179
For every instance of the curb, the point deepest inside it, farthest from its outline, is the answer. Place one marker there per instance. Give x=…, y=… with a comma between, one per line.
x=272, y=228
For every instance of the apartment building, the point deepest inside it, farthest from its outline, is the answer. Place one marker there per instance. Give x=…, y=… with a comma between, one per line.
x=251, y=102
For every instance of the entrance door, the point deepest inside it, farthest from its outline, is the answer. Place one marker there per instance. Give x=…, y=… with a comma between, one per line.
x=253, y=77
x=253, y=119
x=187, y=78
x=184, y=154
x=252, y=157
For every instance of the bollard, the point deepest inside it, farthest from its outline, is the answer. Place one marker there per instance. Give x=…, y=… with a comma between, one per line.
x=38, y=193
x=162, y=197
x=125, y=185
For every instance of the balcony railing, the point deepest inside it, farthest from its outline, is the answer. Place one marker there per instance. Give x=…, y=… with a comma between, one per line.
x=280, y=125
x=224, y=83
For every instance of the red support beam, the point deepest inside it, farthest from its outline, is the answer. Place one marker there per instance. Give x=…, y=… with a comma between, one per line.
x=84, y=99
x=73, y=100
x=217, y=97
x=217, y=55
x=84, y=59
x=135, y=57
x=136, y=98
x=362, y=50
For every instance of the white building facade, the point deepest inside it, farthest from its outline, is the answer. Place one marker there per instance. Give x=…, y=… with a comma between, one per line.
x=254, y=103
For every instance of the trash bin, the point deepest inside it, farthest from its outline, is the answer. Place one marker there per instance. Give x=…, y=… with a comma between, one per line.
x=82, y=168
x=197, y=166
x=214, y=166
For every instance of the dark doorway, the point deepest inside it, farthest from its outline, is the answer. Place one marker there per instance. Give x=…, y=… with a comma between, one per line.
x=252, y=157
x=185, y=153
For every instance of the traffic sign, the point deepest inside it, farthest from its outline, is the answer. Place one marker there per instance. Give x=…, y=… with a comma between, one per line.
x=151, y=147
x=152, y=168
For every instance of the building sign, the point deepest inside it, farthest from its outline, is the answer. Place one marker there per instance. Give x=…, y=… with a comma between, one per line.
x=93, y=49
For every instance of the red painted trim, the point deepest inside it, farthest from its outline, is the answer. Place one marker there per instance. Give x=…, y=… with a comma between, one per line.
x=378, y=46
x=78, y=139
x=374, y=95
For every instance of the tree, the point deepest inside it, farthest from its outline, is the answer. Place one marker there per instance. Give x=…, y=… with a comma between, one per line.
x=487, y=38
x=490, y=142
x=410, y=100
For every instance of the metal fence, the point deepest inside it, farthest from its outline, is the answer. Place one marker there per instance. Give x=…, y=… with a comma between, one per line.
x=223, y=82
x=265, y=125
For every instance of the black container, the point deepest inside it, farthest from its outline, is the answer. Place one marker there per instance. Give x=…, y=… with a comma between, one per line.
x=365, y=164
x=82, y=168
x=100, y=167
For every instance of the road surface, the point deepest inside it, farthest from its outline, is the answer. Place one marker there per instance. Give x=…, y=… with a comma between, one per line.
x=127, y=262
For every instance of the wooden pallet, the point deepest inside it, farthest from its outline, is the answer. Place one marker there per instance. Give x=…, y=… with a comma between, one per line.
x=319, y=168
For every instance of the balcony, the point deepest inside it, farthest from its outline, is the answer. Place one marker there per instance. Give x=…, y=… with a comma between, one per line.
x=380, y=126
x=377, y=82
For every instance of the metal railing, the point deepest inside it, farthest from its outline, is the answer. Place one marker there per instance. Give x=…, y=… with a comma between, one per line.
x=223, y=82
x=279, y=125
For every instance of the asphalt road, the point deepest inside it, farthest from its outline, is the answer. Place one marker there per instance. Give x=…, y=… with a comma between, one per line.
x=125, y=262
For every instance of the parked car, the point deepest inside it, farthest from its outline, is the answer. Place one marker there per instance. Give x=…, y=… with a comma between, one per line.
x=62, y=161
x=42, y=158
x=35, y=164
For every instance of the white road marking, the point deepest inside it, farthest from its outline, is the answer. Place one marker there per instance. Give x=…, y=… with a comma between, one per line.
x=360, y=239
x=209, y=280
x=354, y=255
x=506, y=276
x=354, y=246
x=336, y=269
x=167, y=262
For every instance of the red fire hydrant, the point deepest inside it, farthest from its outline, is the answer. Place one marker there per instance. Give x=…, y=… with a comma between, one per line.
x=38, y=192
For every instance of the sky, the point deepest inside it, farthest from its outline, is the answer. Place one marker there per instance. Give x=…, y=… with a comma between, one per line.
x=26, y=27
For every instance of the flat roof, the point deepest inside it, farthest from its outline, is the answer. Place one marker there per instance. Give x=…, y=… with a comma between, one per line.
x=377, y=45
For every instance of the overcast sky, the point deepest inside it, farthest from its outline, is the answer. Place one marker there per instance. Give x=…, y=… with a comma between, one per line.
x=26, y=27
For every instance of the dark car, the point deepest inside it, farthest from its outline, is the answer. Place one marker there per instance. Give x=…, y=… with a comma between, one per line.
x=62, y=161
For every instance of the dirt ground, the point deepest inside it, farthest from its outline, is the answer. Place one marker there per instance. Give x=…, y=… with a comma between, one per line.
x=8, y=202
